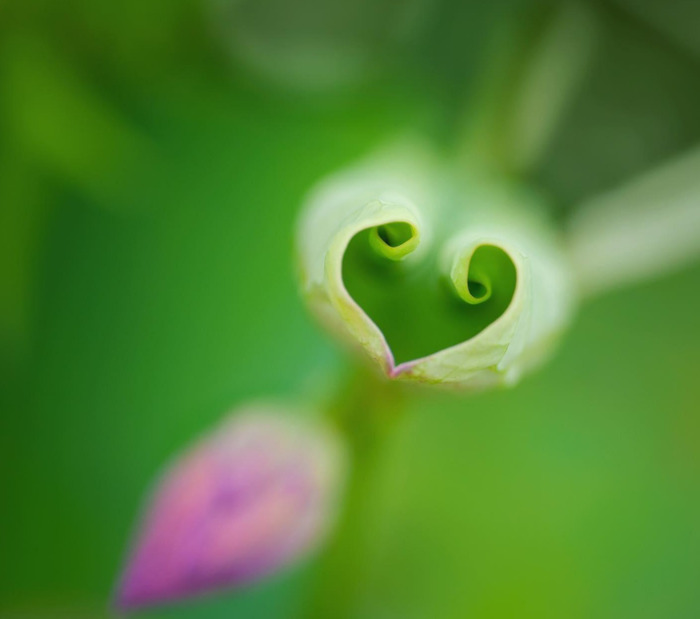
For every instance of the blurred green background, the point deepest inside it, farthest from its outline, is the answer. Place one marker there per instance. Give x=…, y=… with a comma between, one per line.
x=153, y=156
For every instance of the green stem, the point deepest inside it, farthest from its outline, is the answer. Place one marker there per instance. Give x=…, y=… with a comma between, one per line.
x=365, y=410
x=536, y=67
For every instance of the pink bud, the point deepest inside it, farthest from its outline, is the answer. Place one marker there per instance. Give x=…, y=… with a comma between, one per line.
x=256, y=494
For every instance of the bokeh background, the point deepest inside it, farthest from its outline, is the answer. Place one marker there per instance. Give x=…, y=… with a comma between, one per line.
x=153, y=156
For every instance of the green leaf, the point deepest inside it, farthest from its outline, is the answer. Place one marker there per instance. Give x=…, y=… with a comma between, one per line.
x=438, y=275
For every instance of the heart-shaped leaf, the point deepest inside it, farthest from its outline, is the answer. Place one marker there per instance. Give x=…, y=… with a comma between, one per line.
x=417, y=308
x=439, y=276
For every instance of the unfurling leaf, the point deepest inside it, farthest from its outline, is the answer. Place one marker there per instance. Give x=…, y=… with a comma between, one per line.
x=439, y=276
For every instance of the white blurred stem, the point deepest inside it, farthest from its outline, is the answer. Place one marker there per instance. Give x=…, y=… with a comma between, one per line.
x=642, y=230
x=550, y=82
x=528, y=90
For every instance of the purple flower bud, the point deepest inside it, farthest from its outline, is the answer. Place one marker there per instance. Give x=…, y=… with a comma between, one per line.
x=253, y=496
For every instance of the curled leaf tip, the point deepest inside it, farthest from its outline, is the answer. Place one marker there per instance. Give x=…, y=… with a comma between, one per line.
x=255, y=495
x=394, y=240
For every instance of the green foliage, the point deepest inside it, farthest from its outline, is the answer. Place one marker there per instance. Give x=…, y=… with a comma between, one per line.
x=149, y=185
